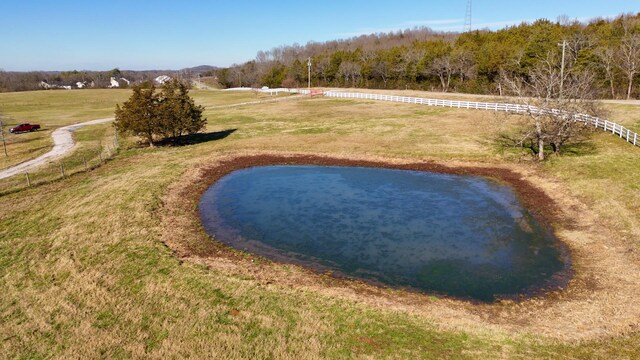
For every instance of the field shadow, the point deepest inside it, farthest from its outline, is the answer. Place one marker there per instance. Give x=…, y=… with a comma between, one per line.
x=578, y=147
x=196, y=138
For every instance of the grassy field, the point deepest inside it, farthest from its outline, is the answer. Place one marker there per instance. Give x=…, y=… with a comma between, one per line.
x=54, y=109
x=50, y=109
x=85, y=271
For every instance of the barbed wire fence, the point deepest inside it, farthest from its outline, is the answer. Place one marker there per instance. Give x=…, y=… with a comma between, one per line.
x=83, y=159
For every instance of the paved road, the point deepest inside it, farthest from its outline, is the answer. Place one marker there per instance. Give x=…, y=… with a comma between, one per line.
x=62, y=143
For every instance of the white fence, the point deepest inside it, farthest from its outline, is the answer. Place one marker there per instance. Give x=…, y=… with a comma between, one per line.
x=606, y=125
x=616, y=129
x=271, y=91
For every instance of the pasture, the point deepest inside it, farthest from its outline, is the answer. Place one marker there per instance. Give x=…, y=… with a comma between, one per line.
x=105, y=263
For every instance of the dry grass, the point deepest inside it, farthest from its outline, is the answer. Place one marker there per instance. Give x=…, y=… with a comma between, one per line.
x=619, y=111
x=212, y=98
x=85, y=272
x=50, y=109
x=94, y=144
x=54, y=109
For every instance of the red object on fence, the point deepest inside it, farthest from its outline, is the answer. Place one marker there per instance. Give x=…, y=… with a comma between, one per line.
x=316, y=93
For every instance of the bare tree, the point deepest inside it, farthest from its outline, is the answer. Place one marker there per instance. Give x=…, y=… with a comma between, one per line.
x=322, y=66
x=411, y=60
x=443, y=69
x=551, y=118
x=367, y=59
x=629, y=54
x=382, y=70
x=464, y=64
x=350, y=70
x=607, y=56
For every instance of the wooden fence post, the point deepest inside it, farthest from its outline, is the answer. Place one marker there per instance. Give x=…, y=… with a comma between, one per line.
x=28, y=180
x=62, y=169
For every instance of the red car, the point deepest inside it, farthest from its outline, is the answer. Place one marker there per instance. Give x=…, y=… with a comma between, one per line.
x=24, y=128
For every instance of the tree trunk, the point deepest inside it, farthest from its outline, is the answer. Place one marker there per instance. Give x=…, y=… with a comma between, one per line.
x=630, y=87
x=540, y=149
x=540, y=141
x=613, y=89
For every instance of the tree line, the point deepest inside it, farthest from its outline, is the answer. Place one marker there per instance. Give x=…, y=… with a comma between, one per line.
x=32, y=80
x=473, y=62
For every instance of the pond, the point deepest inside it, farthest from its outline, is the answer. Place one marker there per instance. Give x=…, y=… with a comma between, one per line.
x=462, y=236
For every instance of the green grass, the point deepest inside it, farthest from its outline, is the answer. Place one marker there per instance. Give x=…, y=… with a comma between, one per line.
x=85, y=274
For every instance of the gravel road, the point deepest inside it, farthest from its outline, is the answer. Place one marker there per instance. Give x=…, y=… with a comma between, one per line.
x=62, y=143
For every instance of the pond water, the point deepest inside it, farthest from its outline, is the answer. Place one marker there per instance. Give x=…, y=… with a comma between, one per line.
x=463, y=236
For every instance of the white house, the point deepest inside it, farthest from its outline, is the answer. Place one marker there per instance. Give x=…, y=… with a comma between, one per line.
x=114, y=83
x=162, y=79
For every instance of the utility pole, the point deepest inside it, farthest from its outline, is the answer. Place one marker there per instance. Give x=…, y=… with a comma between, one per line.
x=564, y=46
x=4, y=143
x=309, y=72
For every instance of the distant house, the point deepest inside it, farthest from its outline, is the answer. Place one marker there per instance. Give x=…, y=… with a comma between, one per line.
x=162, y=79
x=114, y=83
x=45, y=85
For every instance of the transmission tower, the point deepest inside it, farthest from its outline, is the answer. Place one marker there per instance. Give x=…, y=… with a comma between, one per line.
x=467, y=18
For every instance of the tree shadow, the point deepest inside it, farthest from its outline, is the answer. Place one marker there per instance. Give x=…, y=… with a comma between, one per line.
x=580, y=148
x=196, y=138
x=508, y=142
x=512, y=142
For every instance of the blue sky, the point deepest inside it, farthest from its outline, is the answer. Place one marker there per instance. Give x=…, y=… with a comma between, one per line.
x=165, y=34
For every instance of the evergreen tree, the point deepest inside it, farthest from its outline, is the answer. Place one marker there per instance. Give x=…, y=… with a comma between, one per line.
x=177, y=112
x=171, y=113
x=139, y=115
